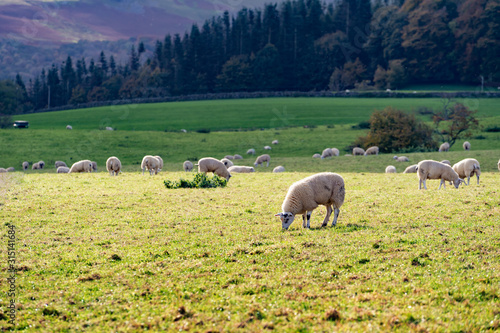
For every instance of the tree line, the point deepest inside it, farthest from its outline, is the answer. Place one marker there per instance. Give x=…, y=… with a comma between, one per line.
x=299, y=45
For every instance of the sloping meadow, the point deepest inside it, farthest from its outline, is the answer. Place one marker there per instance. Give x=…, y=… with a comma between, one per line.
x=102, y=253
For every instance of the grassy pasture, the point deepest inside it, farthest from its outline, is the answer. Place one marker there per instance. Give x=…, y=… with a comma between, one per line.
x=245, y=113
x=100, y=253
x=296, y=147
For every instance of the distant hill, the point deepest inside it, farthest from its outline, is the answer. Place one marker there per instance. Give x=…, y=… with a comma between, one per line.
x=35, y=34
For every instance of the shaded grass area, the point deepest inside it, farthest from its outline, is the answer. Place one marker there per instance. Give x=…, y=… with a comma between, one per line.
x=101, y=253
x=239, y=114
x=297, y=145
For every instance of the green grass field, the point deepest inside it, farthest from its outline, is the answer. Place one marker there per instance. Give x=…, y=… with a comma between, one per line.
x=245, y=114
x=100, y=253
x=124, y=254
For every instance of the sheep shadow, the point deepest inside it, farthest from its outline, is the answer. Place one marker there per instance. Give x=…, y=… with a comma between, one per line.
x=350, y=227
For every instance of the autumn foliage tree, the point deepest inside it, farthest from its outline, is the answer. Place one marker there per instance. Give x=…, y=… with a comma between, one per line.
x=455, y=122
x=393, y=130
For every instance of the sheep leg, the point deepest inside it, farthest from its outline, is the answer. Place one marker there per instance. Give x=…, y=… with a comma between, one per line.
x=335, y=216
x=477, y=178
x=327, y=217
x=309, y=219
x=304, y=224
x=468, y=179
x=442, y=182
x=267, y=164
x=143, y=171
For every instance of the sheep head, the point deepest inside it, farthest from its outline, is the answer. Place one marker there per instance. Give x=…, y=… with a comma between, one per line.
x=286, y=219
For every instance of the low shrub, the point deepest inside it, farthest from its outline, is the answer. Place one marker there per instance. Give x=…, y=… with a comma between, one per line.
x=200, y=180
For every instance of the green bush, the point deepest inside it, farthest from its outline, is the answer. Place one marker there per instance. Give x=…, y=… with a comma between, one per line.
x=200, y=180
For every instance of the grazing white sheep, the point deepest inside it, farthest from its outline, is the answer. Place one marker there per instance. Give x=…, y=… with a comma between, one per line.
x=327, y=152
x=41, y=164
x=401, y=159
x=109, y=128
x=36, y=166
x=229, y=157
x=227, y=162
x=304, y=196
x=59, y=164
x=316, y=156
x=411, y=169
x=498, y=165
x=336, y=152
x=467, y=168
x=261, y=159
x=150, y=163
x=11, y=169
x=372, y=151
x=113, y=165
x=81, y=166
x=275, y=142
x=25, y=165
x=183, y=130
x=358, y=151
x=279, y=168
x=69, y=127
x=240, y=169
x=466, y=145
x=446, y=162
x=210, y=164
x=2, y=170
x=267, y=148
x=390, y=169
x=428, y=169
x=238, y=157
x=62, y=169
x=94, y=166
x=187, y=166
x=444, y=147
x=161, y=162
x=251, y=151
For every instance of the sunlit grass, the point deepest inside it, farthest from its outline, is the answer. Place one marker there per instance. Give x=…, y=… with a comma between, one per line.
x=101, y=253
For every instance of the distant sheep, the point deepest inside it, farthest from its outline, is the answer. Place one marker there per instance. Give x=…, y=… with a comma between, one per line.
x=238, y=157
x=444, y=147
x=227, y=162
x=25, y=165
x=36, y=166
x=267, y=148
x=411, y=169
x=62, y=169
x=279, y=168
x=251, y=151
x=466, y=145
x=229, y=157
x=328, y=152
x=41, y=164
x=94, y=166
x=11, y=169
x=372, y=151
x=150, y=163
x=183, y=130
x=316, y=156
x=467, y=168
x=81, y=166
x=390, y=169
x=59, y=164
x=2, y=170
x=69, y=127
x=187, y=166
x=446, y=162
x=161, y=162
x=498, y=165
x=358, y=151
x=109, y=128
x=240, y=169
x=275, y=142
x=210, y=164
x=335, y=151
x=428, y=169
x=304, y=196
x=261, y=159
x=401, y=159
x=113, y=165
